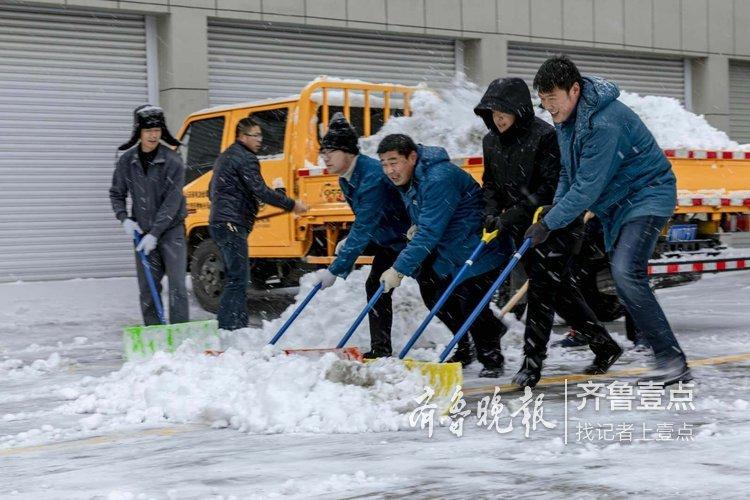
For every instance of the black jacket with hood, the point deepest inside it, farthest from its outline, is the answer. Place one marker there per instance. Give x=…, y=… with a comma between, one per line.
x=521, y=165
x=237, y=188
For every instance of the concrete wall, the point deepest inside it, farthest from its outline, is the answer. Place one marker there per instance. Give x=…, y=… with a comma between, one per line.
x=709, y=35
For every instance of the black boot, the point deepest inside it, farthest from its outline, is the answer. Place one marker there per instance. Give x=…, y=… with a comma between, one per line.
x=530, y=372
x=606, y=351
x=493, y=371
x=669, y=372
x=464, y=354
x=375, y=355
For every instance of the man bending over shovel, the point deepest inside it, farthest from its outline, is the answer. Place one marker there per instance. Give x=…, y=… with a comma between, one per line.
x=379, y=228
x=445, y=203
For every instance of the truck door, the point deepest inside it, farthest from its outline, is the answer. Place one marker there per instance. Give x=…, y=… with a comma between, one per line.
x=272, y=235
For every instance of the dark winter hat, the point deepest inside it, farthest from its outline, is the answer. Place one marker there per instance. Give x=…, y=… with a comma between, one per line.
x=340, y=136
x=148, y=116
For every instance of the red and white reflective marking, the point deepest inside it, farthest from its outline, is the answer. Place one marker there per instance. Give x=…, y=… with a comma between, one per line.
x=307, y=172
x=712, y=201
x=703, y=154
x=700, y=266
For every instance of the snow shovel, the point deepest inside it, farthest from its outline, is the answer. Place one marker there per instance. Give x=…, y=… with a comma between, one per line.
x=296, y=313
x=486, y=238
x=443, y=377
x=486, y=299
x=144, y=341
x=488, y=296
x=350, y=353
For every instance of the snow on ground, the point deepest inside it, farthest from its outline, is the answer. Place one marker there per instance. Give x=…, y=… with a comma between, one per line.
x=447, y=118
x=77, y=423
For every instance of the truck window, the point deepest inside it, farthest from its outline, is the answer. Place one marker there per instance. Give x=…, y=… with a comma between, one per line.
x=273, y=124
x=201, y=145
x=357, y=118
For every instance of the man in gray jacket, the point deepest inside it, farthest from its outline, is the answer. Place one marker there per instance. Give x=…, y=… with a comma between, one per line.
x=154, y=175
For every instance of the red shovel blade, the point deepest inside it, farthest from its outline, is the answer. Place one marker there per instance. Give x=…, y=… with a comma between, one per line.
x=350, y=353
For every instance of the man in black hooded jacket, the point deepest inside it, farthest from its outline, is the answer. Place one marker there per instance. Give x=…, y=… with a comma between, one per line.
x=521, y=170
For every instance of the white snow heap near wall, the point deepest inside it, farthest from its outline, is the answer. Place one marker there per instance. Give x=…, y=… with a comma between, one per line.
x=447, y=119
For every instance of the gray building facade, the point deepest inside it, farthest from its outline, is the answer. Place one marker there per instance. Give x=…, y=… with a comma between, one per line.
x=76, y=68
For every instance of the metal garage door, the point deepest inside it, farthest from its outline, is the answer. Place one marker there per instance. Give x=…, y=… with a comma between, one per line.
x=69, y=81
x=739, y=101
x=642, y=74
x=253, y=61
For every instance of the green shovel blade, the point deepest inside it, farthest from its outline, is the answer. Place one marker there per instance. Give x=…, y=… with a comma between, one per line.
x=144, y=341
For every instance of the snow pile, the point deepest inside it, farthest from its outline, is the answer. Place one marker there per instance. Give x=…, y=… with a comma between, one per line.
x=15, y=368
x=330, y=313
x=258, y=392
x=674, y=127
x=447, y=119
x=444, y=119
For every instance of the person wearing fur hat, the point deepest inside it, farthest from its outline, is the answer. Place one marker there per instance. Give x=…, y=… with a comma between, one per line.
x=379, y=228
x=153, y=175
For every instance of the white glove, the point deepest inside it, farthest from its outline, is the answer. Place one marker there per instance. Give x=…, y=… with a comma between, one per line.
x=147, y=244
x=130, y=226
x=391, y=279
x=411, y=232
x=325, y=277
x=339, y=246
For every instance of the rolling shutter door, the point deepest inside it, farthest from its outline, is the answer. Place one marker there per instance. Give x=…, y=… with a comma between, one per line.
x=69, y=81
x=249, y=62
x=642, y=74
x=739, y=101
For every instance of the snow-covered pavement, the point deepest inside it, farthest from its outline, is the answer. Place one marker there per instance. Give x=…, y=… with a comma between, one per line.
x=75, y=423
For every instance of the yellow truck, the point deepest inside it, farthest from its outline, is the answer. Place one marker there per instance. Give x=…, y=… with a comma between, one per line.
x=284, y=246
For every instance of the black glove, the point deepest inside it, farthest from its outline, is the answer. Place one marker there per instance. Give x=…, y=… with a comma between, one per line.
x=492, y=223
x=538, y=233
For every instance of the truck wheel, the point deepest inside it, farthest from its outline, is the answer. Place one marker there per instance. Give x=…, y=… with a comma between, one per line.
x=207, y=272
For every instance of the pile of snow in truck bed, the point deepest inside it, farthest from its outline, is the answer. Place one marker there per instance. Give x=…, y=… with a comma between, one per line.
x=447, y=119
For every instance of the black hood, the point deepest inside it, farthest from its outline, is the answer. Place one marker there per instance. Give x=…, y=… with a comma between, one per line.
x=508, y=95
x=148, y=116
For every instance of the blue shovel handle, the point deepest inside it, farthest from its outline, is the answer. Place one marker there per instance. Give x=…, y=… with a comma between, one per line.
x=150, y=279
x=361, y=316
x=296, y=312
x=443, y=298
x=486, y=238
x=486, y=299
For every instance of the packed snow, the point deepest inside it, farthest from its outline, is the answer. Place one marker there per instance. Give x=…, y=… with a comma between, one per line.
x=77, y=422
x=446, y=118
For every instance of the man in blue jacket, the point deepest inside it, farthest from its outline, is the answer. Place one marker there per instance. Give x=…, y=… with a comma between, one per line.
x=379, y=228
x=613, y=167
x=445, y=203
